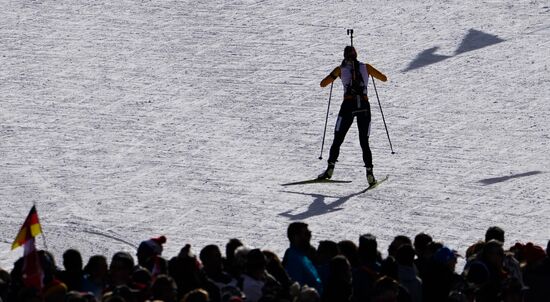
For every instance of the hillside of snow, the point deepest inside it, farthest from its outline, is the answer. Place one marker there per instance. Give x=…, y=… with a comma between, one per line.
x=126, y=120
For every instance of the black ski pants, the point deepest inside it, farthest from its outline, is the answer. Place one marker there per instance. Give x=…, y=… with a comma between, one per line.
x=352, y=108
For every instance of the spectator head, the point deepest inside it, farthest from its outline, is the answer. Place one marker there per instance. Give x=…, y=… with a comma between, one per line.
x=211, y=258
x=120, y=293
x=368, y=247
x=421, y=242
x=255, y=263
x=231, y=294
x=493, y=253
x=405, y=255
x=141, y=279
x=308, y=294
x=5, y=281
x=121, y=268
x=49, y=267
x=533, y=254
x=495, y=233
x=476, y=273
x=474, y=249
x=349, y=249
x=255, y=259
x=397, y=242
x=230, y=248
x=385, y=290
x=326, y=250
x=150, y=248
x=196, y=295
x=432, y=247
x=97, y=267
x=164, y=289
x=275, y=268
x=239, y=258
x=72, y=261
x=340, y=269
x=446, y=257
x=389, y=268
x=299, y=235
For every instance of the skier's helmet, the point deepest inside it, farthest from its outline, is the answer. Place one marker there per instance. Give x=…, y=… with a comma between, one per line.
x=350, y=53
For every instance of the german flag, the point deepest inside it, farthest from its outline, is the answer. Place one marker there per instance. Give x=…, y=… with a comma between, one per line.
x=30, y=229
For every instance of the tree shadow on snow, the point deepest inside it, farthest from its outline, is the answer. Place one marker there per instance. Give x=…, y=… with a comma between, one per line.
x=476, y=39
x=473, y=40
x=492, y=181
x=427, y=57
x=319, y=206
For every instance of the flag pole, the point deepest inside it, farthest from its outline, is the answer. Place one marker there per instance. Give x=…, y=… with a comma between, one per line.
x=43, y=234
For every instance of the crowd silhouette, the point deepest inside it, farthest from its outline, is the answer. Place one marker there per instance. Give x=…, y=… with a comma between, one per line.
x=415, y=269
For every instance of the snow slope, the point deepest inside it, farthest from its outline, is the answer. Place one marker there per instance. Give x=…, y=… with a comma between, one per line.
x=124, y=120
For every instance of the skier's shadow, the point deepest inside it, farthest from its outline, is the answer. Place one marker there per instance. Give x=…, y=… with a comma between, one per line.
x=319, y=206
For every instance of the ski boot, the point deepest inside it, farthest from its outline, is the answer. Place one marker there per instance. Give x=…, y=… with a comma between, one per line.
x=370, y=177
x=328, y=172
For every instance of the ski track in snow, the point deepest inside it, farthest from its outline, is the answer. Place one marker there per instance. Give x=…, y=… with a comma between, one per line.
x=128, y=120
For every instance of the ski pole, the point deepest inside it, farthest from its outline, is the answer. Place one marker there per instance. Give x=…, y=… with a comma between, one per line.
x=326, y=120
x=382, y=112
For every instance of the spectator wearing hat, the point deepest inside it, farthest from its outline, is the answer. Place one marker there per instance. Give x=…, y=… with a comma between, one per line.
x=440, y=278
x=297, y=261
x=494, y=233
x=149, y=254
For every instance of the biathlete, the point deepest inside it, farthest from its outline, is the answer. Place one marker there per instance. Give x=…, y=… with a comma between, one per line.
x=354, y=76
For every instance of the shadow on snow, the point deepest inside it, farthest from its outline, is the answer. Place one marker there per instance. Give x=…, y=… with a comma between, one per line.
x=492, y=181
x=319, y=206
x=473, y=40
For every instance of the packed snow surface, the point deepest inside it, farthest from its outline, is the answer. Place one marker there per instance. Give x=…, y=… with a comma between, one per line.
x=126, y=120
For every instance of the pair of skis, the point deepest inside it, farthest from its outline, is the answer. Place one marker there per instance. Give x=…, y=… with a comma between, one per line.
x=324, y=180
